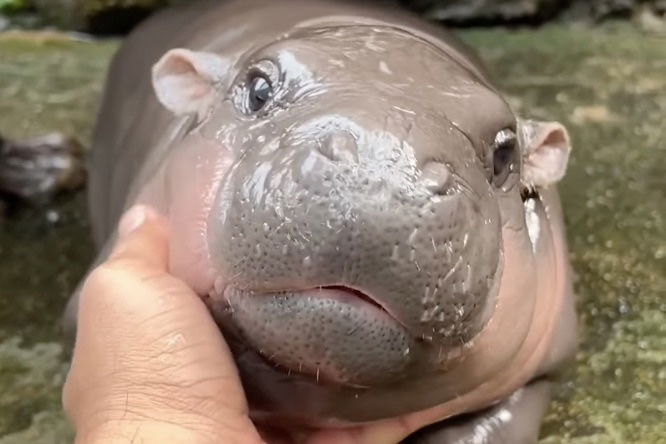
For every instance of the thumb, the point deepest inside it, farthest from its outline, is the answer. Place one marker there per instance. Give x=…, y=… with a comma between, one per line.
x=142, y=239
x=146, y=342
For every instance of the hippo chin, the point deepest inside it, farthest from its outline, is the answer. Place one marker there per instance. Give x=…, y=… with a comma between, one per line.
x=370, y=224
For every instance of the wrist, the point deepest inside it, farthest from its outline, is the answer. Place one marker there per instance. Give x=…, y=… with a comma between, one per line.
x=147, y=432
x=159, y=432
x=133, y=414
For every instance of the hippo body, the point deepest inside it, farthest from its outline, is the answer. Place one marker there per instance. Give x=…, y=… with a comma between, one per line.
x=372, y=227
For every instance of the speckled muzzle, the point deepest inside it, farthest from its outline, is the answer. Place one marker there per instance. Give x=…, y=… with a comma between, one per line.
x=347, y=255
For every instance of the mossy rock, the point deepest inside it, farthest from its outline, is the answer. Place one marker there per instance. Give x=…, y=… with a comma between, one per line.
x=82, y=14
x=467, y=12
x=9, y=6
x=118, y=16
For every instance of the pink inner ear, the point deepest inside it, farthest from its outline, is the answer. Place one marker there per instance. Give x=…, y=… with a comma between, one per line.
x=548, y=155
x=179, y=85
x=175, y=65
x=193, y=89
x=556, y=137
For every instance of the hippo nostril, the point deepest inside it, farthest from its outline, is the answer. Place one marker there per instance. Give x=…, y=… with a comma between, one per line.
x=340, y=146
x=436, y=177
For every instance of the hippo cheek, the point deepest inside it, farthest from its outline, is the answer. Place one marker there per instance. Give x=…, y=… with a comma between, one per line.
x=194, y=171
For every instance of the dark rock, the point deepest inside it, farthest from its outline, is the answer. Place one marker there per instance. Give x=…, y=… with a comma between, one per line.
x=100, y=16
x=116, y=21
x=36, y=169
x=477, y=12
x=495, y=12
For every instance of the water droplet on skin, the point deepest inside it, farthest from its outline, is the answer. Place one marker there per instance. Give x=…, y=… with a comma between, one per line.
x=412, y=236
x=383, y=67
x=395, y=255
x=218, y=285
x=467, y=281
x=266, y=227
x=395, y=155
x=307, y=261
x=426, y=296
x=504, y=415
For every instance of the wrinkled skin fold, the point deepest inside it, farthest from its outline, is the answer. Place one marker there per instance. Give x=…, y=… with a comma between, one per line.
x=372, y=227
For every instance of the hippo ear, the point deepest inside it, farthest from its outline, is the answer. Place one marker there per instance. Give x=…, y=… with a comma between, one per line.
x=545, y=147
x=184, y=80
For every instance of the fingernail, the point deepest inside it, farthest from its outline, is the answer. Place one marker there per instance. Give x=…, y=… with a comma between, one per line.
x=132, y=220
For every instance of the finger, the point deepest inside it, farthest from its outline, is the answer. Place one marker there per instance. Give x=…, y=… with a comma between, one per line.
x=142, y=238
x=388, y=431
x=149, y=337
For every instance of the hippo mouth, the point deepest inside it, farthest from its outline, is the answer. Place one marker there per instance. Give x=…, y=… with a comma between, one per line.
x=357, y=293
x=334, y=334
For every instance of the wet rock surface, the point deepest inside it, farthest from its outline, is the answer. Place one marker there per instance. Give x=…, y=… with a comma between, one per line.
x=114, y=16
x=475, y=12
x=607, y=84
x=48, y=83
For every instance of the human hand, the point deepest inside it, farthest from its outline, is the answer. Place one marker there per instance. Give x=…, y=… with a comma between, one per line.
x=150, y=365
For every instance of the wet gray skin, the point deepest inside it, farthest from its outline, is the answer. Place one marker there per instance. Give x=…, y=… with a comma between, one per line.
x=347, y=192
x=390, y=199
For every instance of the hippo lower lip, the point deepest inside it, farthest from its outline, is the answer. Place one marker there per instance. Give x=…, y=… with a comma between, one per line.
x=353, y=291
x=319, y=332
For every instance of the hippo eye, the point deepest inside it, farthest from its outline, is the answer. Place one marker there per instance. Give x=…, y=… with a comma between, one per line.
x=504, y=156
x=259, y=93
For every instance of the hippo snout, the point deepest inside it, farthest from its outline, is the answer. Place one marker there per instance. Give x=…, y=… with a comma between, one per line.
x=345, y=253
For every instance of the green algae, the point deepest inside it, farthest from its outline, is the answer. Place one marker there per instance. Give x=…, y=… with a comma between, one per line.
x=608, y=85
x=11, y=5
x=30, y=385
x=47, y=83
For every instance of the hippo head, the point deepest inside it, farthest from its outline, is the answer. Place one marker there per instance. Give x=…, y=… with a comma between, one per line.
x=344, y=199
